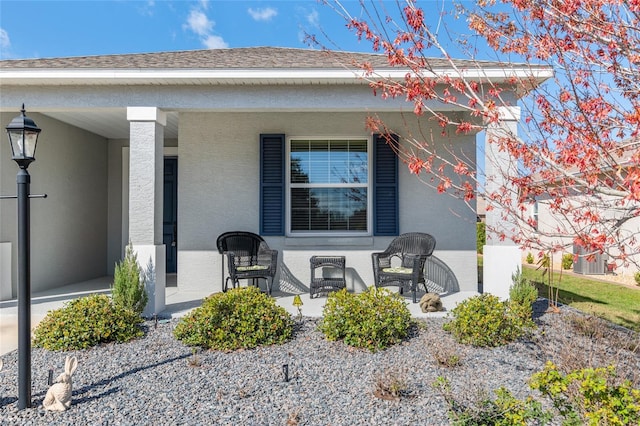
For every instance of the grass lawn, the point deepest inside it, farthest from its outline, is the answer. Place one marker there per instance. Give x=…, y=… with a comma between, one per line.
x=616, y=303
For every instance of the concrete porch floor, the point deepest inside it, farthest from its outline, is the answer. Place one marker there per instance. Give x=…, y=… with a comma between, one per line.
x=178, y=303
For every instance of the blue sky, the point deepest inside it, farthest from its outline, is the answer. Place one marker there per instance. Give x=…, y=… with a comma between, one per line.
x=55, y=28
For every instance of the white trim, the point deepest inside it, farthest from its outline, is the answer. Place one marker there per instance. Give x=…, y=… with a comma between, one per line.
x=509, y=113
x=368, y=186
x=125, y=200
x=147, y=114
x=145, y=76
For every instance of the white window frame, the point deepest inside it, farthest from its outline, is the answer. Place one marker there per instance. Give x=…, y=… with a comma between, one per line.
x=535, y=213
x=369, y=187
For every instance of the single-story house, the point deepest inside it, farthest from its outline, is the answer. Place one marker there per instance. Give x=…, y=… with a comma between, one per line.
x=168, y=150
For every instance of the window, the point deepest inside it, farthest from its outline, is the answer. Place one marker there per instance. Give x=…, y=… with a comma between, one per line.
x=382, y=215
x=328, y=186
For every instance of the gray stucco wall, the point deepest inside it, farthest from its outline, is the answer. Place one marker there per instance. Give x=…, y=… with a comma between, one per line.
x=219, y=191
x=69, y=228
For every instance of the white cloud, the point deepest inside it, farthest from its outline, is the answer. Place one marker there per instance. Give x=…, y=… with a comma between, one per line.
x=5, y=42
x=199, y=23
x=214, y=42
x=313, y=18
x=263, y=14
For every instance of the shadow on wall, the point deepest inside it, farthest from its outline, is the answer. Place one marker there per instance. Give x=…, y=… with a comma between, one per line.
x=289, y=284
x=439, y=277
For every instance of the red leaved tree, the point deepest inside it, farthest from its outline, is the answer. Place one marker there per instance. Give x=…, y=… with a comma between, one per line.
x=576, y=150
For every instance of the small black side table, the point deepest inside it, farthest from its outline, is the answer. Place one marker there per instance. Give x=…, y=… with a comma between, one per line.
x=335, y=279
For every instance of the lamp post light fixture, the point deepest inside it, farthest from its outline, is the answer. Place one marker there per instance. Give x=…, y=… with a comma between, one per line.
x=23, y=137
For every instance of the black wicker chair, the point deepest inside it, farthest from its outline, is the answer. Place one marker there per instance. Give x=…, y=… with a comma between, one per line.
x=411, y=251
x=248, y=257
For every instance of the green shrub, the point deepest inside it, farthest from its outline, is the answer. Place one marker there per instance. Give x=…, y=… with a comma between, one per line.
x=128, y=290
x=589, y=396
x=636, y=277
x=375, y=319
x=485, y=320
x=481, y=236
x=239, y=318
x=567, y=261
x=530, y=258
x=522, y=291
x=86, y=322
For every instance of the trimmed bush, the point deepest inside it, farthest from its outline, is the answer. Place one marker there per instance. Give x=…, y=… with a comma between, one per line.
x=240, y=318
x=128, y=290
x=485, y=320
x=86, y=322
x=567, y=261
x=636, y=278
x=530, y=258
x=375, y=319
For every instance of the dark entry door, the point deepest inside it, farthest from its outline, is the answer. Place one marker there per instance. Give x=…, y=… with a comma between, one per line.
x=170, y=220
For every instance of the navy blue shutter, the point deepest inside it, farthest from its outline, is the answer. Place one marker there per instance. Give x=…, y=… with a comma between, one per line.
x=272, y=184
x=385, y=188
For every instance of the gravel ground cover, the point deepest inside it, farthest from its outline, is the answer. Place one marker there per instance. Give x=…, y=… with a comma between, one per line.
x=156, y=380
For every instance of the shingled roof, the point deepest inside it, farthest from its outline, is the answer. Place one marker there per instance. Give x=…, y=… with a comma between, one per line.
x=236, y=58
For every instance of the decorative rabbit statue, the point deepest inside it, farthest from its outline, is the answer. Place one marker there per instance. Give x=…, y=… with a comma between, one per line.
x=59, y=394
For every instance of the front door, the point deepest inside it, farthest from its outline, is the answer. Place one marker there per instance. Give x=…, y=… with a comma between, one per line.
x=170, y=214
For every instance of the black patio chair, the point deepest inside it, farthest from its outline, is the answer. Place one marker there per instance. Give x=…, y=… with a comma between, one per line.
x=410, y=252
x=248, y=257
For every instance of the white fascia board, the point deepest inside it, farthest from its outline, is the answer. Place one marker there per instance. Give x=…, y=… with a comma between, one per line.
x=187, y=76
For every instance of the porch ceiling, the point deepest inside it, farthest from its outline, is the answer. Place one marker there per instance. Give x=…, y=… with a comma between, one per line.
x=111, y=124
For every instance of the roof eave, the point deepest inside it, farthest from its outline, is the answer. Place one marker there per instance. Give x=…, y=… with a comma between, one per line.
x=31, y=76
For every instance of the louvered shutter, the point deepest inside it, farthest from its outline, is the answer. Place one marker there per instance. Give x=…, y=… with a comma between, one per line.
x=385, y=188
x=272, y=184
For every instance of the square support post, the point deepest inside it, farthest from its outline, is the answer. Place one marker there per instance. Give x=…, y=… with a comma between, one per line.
x=146, y=168
x=501, y=257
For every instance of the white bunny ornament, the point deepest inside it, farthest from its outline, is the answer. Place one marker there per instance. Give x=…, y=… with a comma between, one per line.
x=59, y=394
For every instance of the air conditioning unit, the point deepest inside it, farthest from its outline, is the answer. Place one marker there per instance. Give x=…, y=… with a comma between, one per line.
x=595, y=266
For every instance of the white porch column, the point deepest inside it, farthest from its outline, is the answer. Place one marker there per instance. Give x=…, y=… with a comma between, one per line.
x=501, y=258
x=146, y=164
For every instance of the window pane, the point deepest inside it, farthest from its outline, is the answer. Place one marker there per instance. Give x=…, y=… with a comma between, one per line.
x=319, y=161
x=358, y=162
x=329, y=209
x=300, y=161
x=339, y=157
x=335, y=161
x=300, y=209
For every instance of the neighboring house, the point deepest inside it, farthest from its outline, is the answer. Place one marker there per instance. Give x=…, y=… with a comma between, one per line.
x=481, y=208
x=549, y=222
x=168, y=150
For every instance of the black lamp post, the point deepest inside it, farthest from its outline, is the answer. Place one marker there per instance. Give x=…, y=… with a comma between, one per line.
x=23, y=137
